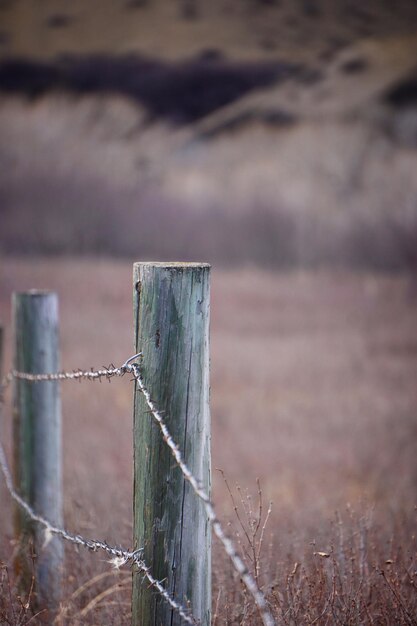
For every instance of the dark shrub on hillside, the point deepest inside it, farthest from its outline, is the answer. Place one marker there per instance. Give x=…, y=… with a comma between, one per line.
x=181, y=92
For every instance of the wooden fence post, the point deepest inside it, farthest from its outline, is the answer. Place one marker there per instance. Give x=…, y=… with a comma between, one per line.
x=1, y=350
x=1, y=376
x=37, y=441
x=1, y=366
x=171, y=313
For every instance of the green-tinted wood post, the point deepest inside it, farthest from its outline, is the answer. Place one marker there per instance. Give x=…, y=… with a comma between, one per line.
x=171, y=312
x=37, y=441
x=1, y=377
x=1, y=351
x=1, y=363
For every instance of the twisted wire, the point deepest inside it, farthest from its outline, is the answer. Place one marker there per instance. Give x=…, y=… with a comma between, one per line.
x=119, y=556
x=124, y=556
x=199, y=490
x=106, y=372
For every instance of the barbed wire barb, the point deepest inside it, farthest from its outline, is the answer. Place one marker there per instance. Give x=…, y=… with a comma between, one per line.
x=132, y=366
x=119, y=556
x=230, y=549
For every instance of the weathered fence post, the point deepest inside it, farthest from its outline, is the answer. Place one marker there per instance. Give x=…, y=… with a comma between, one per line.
x=171, y=312
x=1, y=364
x=1, y=351
x=37, y=441
x=1, y=376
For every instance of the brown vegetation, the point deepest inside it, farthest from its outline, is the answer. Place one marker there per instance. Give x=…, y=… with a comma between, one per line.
x=277, y=133
x=313, y=370
x=313, y=390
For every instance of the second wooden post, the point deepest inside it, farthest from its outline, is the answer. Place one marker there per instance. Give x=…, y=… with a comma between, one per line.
x=171, y=308
x=37, y=442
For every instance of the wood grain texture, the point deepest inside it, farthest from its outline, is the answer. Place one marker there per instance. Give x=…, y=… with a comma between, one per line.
x=1, y=374
x=1, y=350
x=171, y=309
x=37, y=440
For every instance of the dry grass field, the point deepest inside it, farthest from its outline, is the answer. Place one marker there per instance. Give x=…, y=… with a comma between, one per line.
x=285, y=131
x=313, y=386
x=257, y=134
x=174, y=30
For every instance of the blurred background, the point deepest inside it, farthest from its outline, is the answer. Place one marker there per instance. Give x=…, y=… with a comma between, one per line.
x=269, y=132
x=276, y=139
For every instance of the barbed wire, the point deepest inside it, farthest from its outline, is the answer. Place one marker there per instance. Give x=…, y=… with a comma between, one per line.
x=199, y=490
x=119, y=556
x=124, y=556
x=106, y=372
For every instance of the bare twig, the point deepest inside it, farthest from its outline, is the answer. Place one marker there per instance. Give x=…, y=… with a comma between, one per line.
x=228, y=544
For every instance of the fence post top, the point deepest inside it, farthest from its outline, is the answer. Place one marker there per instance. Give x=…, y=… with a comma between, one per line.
x=171, y=264
x=35, y=293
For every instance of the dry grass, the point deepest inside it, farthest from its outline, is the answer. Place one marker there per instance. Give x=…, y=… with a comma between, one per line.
x=262, y=193
x=161, y=27
x=313, y=390
x=349, y=577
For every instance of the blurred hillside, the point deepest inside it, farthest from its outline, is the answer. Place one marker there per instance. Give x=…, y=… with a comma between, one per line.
x=271, y=132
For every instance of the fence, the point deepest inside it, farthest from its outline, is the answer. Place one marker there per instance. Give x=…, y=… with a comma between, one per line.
x=171, y=516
